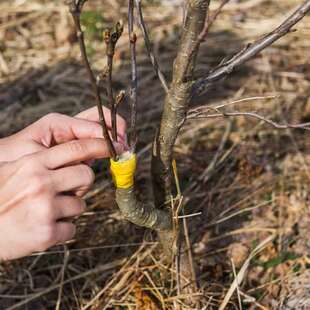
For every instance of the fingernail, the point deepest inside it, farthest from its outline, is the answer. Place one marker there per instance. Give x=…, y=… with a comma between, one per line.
x=119, y=148
x=123, y=140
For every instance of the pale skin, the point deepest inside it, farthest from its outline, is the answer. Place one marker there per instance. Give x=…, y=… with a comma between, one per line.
x=43, y=176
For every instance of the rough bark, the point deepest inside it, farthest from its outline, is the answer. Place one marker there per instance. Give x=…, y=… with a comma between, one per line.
x=140, y=213
x=177, y=101
x=175, y=108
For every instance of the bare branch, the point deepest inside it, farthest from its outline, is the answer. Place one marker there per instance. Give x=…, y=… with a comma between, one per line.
x=140, y=213
x=177, y=100
x=134, y=78
x=149, y=48
x=204, y=107
x=251, y=50
x=75, y=10
x=219, y=113
x=209, y=23
x=185, y=61
x=111, y=37
x=242, y=100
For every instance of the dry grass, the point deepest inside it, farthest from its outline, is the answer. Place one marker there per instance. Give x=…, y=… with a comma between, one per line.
x=255, y=189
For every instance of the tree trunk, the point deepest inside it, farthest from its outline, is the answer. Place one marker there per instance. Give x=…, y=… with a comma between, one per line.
x=175, y=108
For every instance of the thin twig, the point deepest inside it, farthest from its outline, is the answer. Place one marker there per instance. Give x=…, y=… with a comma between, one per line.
x=134, y=78
x=204, y=114
x=75, y=10
x=210, y=19
x=184, y=217
x=188, y=215
x=111, y=37
x=111, y=97
x=149, y=48
x=242, y=100
x=251, y=50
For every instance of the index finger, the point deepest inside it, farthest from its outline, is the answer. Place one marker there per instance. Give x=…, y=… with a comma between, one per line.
x=92, y=115
x=74, y=152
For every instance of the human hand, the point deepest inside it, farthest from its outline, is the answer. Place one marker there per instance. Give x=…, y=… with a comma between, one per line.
x=40, y=192
x=56, y=128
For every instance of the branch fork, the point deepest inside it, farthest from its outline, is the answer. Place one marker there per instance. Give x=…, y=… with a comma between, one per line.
x=111, y=37
x=135, y=211
x=75, y=8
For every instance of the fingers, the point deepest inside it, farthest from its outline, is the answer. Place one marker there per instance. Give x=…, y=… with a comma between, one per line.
x=92, y=115
x=75, y=151
x=53, y=234
x=64, y=232
x=57, y=128
x=68, y=206
x=19, y=148
x=73, y=178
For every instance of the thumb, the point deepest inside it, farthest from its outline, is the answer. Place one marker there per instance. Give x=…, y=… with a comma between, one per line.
x=76, y=151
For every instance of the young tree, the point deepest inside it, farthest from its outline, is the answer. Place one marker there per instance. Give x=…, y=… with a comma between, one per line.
x=161, y=213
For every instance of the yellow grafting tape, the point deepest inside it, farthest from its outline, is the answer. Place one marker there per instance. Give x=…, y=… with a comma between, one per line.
x=123, y=170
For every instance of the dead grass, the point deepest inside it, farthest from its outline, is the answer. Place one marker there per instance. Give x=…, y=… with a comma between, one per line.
x=256, y=189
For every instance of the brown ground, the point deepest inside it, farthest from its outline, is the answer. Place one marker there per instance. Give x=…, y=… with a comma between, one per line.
x=254, y=196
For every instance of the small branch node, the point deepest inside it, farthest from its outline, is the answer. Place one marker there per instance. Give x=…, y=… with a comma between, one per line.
x=120, y=97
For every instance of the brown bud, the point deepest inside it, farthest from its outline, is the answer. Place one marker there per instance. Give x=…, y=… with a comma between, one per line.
x=133, y=37
x=120, y=97
x=104, y=72
x=107, y=35
x=119, y=27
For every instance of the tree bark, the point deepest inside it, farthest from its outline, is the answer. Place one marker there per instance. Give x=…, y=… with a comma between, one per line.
x=177, y=101
x=175, y=108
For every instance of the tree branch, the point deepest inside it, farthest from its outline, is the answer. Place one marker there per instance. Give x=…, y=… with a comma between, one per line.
x=177, y=101
x=251, y=50
x=210, y=19
x=184, y=64
x=75, y=10
x=141, y=213
x=134, y=78
x=204, y=114
x=111, y=37
x=149, y=48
